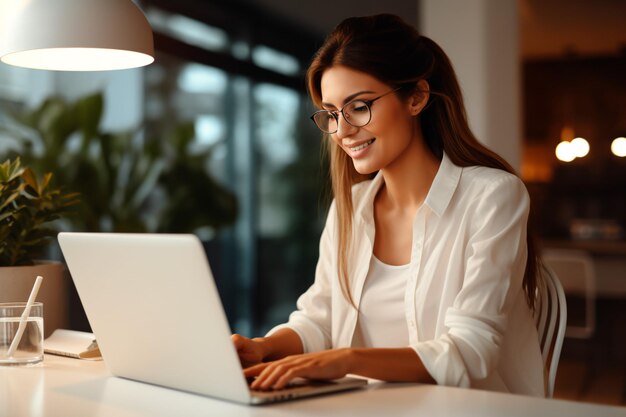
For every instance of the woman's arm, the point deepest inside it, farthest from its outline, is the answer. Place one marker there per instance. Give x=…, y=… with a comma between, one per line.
x=389, y=364
x=494, y=260
x=396, y=364
x=282, y=343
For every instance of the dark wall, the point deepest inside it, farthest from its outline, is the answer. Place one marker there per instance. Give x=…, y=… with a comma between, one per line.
x=588, y=95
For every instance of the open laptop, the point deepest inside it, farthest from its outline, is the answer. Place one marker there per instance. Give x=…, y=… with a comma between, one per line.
x=154, y=308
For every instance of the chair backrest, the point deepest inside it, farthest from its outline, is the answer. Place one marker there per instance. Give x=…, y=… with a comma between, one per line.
x=551, y=320
x=577, y=276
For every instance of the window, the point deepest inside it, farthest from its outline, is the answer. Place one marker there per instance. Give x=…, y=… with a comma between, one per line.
x=246, y=101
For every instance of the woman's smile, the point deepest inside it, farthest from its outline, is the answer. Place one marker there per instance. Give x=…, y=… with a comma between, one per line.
x=358, y=150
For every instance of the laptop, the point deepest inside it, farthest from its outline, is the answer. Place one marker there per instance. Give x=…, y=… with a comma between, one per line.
x=154, y=308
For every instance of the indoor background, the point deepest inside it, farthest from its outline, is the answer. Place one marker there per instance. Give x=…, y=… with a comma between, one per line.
x=214, y=138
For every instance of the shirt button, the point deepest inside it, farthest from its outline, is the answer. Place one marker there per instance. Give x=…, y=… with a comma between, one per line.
x=411, y=323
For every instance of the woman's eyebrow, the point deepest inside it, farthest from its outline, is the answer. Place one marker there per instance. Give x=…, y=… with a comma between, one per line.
x=349, y=98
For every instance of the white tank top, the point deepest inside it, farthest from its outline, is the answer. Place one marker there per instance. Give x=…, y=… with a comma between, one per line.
x=381, y=321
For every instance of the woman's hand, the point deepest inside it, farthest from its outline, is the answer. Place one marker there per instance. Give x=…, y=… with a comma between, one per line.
x=250, y=351
x=327, y=364
x=280, y=344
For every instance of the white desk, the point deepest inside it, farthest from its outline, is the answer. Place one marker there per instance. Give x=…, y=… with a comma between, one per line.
x=70, y=387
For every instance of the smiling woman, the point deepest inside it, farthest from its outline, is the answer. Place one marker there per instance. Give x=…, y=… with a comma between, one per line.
x=373, y=138
x=426, y=271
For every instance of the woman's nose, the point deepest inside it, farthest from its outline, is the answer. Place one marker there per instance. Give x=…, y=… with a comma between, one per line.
x=344, y=128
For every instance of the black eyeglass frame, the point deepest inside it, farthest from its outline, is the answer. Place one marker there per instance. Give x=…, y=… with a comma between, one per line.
x=335, y=114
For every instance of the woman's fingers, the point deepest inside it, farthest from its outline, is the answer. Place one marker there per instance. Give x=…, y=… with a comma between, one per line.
x=319, y=365
x=255, y=370
x=269, y=377
x=264, y=376
x=288, y=376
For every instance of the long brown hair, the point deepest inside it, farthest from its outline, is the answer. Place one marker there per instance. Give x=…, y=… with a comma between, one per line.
x=387, y=48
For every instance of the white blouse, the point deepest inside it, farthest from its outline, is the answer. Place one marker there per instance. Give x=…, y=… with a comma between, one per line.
x=381, y=321
x=466, y=313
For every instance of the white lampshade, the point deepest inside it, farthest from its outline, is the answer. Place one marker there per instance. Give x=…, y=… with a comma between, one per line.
x=76, y=35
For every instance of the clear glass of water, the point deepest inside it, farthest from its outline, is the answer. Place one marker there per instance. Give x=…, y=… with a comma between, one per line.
x=30, y=348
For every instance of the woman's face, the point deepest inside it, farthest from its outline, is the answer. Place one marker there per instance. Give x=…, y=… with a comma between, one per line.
x=391, y=129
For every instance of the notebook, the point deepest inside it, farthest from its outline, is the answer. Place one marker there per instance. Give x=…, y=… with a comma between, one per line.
x=73, y=344
x=154, y=308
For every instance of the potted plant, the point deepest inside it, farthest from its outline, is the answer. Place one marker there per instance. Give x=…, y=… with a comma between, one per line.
x=129, y=181
x=28, y=205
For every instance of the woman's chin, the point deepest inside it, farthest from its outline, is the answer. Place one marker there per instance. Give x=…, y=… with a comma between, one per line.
x=364, y=168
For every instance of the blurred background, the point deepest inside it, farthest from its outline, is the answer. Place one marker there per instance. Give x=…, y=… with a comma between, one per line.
x=214, y=139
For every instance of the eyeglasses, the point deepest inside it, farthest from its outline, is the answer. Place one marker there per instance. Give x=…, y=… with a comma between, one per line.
x=357, y=113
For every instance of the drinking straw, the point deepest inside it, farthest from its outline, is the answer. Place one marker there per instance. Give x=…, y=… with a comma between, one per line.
x=24, y=318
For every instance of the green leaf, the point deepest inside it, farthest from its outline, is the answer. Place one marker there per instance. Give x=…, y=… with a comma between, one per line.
x=10, y=170
x=10, y=199
x=30, y=179
x=27, y=208
x=45, y=181
x=89, y=112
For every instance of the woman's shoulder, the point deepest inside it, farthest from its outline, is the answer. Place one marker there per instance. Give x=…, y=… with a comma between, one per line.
x=481, y=179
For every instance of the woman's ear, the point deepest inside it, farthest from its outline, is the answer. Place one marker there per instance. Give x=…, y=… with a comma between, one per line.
x=419, y=98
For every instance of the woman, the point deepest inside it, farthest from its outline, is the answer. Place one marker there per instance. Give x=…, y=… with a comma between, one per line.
x=425, y=270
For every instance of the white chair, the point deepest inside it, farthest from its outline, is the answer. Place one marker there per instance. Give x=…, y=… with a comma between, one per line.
x=577, y=275
x=551, y=321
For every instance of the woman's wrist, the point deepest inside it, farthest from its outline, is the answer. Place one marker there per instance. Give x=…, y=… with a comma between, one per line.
x=264, y=344
x=351, y=359
x=356, y=358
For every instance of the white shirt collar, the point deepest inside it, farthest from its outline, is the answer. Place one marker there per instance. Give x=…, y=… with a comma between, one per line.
x=439, y=195
x=444, y=185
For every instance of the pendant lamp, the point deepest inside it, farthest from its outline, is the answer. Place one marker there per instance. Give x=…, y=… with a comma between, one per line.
x=76, y=35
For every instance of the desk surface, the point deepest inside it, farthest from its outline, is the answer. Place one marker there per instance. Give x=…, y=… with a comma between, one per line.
x=70, y=387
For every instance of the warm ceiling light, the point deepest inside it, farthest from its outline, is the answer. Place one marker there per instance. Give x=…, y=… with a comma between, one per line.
x=618, y=147
x=76, y=35
x=580, y=146
x=565, y=151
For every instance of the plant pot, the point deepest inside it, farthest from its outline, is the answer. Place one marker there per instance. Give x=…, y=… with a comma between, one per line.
x=16, y=283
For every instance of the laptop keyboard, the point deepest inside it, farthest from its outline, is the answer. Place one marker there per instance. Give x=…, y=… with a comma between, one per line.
x=296, y=383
